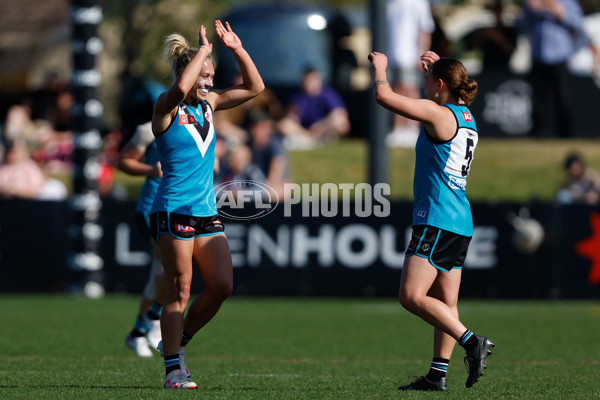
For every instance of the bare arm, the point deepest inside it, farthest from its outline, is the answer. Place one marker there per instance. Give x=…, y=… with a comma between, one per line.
x=437, y=120
x=252, y=83
x=165, y=107
x=130, y=162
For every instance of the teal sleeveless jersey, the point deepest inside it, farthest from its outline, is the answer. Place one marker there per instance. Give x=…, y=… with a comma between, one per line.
x=187, y=156
x=440, y=182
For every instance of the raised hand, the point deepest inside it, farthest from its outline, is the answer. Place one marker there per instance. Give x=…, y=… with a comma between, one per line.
x=379, y=60
x=227, y=36
x=428, y=58
x=202, y=39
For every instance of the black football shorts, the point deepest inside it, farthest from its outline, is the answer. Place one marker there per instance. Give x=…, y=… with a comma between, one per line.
x=185, y=227
x=444, y=250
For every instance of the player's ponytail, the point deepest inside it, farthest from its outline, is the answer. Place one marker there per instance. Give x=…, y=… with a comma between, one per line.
x=178, y=52
x=468, y=90
x=454, y=74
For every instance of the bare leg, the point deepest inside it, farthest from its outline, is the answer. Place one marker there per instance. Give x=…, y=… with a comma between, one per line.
x=177, y=262
x=445, y=288
x=160, y=281
x=418, y=276
x=213, y=259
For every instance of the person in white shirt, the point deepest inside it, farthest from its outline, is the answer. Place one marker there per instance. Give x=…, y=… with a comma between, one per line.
x=409, y=25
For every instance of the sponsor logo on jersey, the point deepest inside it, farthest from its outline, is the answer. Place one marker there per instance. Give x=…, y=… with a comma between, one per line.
x=185, y=119
x=467, y=116
x=183, y=228
x=457, y=183
x=207, y=116
x=421, y=213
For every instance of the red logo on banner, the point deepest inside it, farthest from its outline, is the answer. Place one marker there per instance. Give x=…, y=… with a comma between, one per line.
x=590, y=248
x=467, y=117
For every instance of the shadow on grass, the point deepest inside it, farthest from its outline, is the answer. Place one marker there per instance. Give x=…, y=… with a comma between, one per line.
x=114, y=387
x=30, y=386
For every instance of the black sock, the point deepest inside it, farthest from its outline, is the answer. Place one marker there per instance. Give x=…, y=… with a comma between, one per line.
x=139, y=329
x=154, y=311
x=438, y=369
x=185, y=339
x=468, y=340
x=171, y=363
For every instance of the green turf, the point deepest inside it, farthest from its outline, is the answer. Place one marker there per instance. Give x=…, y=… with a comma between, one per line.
x=503, y=169
x=55, y=347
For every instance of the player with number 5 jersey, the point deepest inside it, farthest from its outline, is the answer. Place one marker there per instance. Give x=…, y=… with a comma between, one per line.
x=441, y=170
x=442, y=224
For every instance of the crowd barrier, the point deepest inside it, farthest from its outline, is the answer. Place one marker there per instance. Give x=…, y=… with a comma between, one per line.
x=544, y=251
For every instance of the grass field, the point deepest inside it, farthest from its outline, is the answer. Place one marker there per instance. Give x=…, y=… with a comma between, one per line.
x=502, y=170
x=56, y=347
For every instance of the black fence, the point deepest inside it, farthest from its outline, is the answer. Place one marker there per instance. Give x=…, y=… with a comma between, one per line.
x=285, y=253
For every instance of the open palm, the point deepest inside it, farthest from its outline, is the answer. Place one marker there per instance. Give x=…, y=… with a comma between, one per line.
x=227, y=36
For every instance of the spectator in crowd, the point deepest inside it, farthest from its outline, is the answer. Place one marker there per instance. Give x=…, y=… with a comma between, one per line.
x=582, y=183
x=139, y=157
x=554, y=28
x=108, y=160
x=53, y=102
x=239, y=165
x=268, y=153
x=497, y=43
x=315, y=114
x=22, y=178
x=410, y=25
x=440, y=43
x=43, y=120
x=232, y=124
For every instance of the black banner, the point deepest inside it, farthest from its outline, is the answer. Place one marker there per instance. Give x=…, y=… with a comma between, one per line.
x=503, y=106
x=555, y=255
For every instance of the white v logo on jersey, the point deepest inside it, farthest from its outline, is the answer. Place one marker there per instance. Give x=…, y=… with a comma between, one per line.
x=195, y=131
x=202, y=144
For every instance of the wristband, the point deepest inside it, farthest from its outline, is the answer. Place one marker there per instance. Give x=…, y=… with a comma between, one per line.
x=206, y=48
x=381, y=82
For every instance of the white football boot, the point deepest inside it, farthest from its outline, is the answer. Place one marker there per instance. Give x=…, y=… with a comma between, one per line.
x=177, y=380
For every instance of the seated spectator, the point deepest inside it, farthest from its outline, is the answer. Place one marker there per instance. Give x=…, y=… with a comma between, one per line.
x=231, y=124
x=51, y=148
x=582, y=184
x=315, y=114
x=107, y=162
x=268, y=153
x=53, y=102
x=19, y=124
x=240, y=167
x=23, y=178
